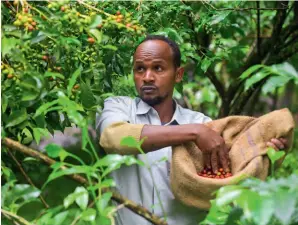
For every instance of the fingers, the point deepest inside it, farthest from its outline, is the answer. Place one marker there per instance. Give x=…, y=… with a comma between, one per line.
x=224, y=158
x=270, y=144
x=214, y=161
x=284, y=141
x=207, y=160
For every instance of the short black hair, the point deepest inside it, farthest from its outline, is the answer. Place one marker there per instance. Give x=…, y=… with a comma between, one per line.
x=173, y=45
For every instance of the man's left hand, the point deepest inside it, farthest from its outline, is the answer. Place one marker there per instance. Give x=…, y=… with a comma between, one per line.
x=278, y=143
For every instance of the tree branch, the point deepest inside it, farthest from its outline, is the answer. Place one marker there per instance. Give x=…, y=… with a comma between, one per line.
x=15, y=217
x=205, y=37
x=11, y=144
x=268, y=46
x=27, y=177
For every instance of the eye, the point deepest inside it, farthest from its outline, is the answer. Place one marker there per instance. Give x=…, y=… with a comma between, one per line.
x=140, y=69
x=158, y=68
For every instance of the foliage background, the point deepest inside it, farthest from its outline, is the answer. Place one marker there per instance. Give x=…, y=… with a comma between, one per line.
x=60, y=60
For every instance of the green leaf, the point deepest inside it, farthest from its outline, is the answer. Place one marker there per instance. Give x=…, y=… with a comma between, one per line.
x=205, y=64
x=108, y=183
x=130, y=141
x=250, y=70
x=38, y=133
x=73, y=170
x=21, y=193
x=4, y=102
x=104, y=200
x=255, y=78
x=43, y=108
x=285, y=203
x=17, y=117
x=111, y=47
x=40, y=37
x=7, y=44
x=109, y=159
x=87, y=96
x=82, y=197
x=219, y=17
x=96, y=21
x=275, y=155
x=60, y=218
x=73, y=80
x=89, y=215
x=274, y=82
x=53, y=150
x=228, y=197
x=54, y=75
x=97, y=34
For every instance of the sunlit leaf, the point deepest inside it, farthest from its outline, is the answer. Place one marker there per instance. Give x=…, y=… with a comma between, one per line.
x=53, y=150
x=89, y=214
x=82, y=197
x=275, y=155
x=129, y=141
x=250, y=70
x=73, y=80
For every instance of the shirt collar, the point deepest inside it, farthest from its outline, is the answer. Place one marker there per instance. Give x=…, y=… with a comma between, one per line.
x=144, y=108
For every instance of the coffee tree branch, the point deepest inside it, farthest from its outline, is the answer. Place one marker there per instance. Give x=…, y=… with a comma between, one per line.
x=11, y=144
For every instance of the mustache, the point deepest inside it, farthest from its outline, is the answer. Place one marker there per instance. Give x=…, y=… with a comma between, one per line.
x=146, y=87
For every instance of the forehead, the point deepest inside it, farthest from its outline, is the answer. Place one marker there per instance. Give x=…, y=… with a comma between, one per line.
x=152, y=50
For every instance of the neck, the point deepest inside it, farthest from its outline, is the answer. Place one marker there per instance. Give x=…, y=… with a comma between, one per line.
x=165, y=110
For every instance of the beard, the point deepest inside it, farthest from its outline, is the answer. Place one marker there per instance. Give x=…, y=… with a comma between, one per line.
x=153, y=101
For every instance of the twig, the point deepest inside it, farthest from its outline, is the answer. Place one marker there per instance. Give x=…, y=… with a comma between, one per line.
x=16, y=217
x=258, y=30
x=242, y=9
x=145, y=213
x=26, y=177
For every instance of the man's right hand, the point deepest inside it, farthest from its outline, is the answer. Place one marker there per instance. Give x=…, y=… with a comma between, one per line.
x=213, y=148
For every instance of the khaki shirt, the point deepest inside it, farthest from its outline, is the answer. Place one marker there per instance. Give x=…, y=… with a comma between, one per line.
x=135, y=182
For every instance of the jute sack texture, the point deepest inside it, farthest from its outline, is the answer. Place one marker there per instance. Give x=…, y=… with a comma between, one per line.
x=246, y=137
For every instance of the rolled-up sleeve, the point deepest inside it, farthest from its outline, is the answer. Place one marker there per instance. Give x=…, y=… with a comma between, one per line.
x=113, y=124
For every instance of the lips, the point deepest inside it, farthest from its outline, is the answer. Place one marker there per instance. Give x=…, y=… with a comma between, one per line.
x=148, y=89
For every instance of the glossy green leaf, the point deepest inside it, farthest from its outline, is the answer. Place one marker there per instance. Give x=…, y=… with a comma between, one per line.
x=17, y=117
x=285, y=202
x=111, y=47
x=254, y=79
x=53, y=150
x=87, y=96
x=40, y=132
x=89, y=215
x=7, y=44
x=275, y=155
x=250, y=70
x=129, y=141
x=97, y=34
x=274, y=82
x=60, y=218
x=54, y=75
x=104, y=200
x=97, y=20
x=219, y=17
x=82, y=197
x=43, y=108
x=205, y=64
x=73, y=80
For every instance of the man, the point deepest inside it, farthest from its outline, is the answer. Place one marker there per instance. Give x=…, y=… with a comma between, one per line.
x=155, y=115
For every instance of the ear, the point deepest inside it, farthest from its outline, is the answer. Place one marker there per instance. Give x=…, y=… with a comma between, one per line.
x=179, y=74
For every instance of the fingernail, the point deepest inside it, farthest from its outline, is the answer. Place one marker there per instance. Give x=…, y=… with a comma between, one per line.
x=268, y=143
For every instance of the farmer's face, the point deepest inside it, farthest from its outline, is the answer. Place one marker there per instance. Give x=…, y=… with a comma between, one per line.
x=154, y=72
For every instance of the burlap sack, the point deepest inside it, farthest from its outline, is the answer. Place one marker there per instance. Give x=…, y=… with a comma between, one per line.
x=246, y=137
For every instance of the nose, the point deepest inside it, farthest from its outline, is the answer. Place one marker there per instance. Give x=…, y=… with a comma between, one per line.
x=148, y=76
